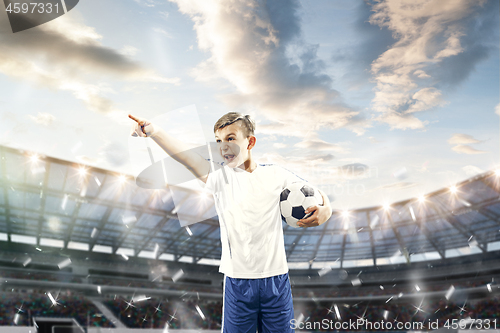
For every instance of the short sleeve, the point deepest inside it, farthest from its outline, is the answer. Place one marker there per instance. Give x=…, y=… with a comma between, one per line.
x=212, y=178
x=287, y=177
x=209, y=185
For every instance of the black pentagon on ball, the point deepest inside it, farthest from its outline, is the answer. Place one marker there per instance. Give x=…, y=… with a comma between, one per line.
x=298, y=212
x=284, y=194
x=307, y=190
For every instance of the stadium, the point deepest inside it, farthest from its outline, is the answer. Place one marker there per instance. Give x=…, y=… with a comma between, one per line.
x=86, y=250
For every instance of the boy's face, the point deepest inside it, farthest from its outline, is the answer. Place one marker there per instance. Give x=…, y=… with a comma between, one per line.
x=234, y=146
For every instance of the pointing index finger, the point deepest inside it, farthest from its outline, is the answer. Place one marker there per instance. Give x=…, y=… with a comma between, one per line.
x=134, y=118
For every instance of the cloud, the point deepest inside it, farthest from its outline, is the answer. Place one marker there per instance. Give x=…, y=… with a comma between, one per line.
x=421, y=74
x=374, y=139
x=354, y=170
x=322, y=158
x=497, y=109
x=147, y=3
x=115, y=153
x=164, y=15
x=401, y=174
x=15, y=124
x=279, y=145
x=401, y=121
x=461, y=142
x=425, y=99
x=129, y=51
x=66, y=54
x=163, y=32
x=464, y=149
x=285, y=129
x=431, y=37
x=319, y=145
x=398, y=186
x=471, y=170
x=459, y=138
x=42, y=118
x=316, y=167
x=258, y=47
x=301, y=165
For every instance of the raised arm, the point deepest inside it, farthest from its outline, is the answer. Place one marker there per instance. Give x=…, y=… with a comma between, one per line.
x=175, y=148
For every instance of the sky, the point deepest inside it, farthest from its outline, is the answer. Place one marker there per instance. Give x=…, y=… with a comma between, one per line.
x=373, y=102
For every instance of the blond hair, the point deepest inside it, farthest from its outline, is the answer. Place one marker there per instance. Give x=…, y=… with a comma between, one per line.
x=231, y=117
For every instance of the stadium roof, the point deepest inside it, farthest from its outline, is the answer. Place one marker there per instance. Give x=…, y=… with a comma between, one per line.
x=45, y=201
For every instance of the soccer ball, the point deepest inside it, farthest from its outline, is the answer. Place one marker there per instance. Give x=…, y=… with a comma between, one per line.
x=295, y=199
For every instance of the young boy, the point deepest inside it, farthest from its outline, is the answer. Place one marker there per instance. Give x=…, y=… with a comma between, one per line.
x=257, y=293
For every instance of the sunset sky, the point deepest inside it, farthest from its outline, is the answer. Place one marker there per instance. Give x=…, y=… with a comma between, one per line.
x=372, y=101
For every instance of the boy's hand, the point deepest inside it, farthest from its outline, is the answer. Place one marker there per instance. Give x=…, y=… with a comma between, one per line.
x=143, y=128
x=321, y=215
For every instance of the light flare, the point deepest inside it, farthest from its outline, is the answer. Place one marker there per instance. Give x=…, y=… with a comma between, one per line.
x=52, y=299
x=34, y=158
x=82, y=171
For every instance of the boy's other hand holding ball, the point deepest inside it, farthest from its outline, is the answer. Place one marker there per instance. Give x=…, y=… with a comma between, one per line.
x=321, y=215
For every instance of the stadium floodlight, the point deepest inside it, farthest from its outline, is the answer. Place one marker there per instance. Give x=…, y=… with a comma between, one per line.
x=35, y=166
x=34, y=158
x=82, y=171
x=453, y=189
x=122, y=179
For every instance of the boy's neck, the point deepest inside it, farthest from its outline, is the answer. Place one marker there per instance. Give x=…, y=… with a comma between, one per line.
x=249, y=165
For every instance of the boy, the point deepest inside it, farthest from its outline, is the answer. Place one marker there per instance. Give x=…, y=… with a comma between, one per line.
x=257, y=293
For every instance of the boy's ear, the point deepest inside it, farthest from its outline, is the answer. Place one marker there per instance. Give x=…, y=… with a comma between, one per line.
x=251, y=142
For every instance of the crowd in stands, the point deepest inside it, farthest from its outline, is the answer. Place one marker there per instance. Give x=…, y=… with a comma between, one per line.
x=175, y=313
x=489, y=309
x=387, y=289
x=199, y=314
x=441, y=312
x=191, y=312
x=20, y=309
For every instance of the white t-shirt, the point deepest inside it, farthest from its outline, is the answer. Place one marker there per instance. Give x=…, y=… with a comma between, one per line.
x=250, y=219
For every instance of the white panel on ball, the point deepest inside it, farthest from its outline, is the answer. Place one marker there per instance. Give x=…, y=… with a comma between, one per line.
x=295, y=198
x=286, y=208
x=292, y=222
x=310, y=201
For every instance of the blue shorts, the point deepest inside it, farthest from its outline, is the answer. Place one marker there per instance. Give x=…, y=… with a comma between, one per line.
x=257, y=304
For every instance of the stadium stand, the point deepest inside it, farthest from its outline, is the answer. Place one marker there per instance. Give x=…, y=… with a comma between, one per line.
x=154, y=313
x=420, y=260
x=19, y=309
